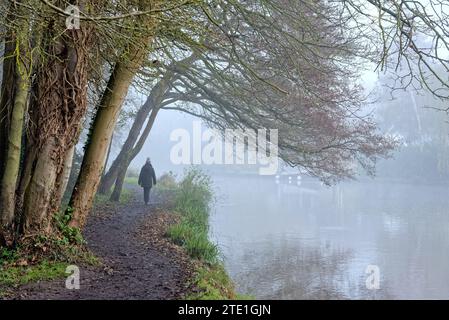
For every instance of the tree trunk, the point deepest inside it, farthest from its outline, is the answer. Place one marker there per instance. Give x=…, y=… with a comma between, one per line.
x=107, y=157
x=101, y=133
x=108, y=179
x=154, y=99
x=64, y=176
x=118, y=186
x=40, y=190
x=11, y=172
x=115, y=196
x=6, y=96
x=57, y=115
x=25, y=178
x=16, y=84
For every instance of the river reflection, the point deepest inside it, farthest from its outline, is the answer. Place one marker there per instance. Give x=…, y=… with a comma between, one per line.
x=282, y=240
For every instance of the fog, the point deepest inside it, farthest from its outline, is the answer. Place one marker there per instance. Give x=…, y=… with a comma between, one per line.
x=288, y=236
x=158, y=145
x=323, y=126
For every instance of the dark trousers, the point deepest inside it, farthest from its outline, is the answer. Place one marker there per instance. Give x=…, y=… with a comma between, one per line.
x=146, y=194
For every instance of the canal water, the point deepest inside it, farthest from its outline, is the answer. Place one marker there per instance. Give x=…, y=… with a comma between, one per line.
x=297, y=239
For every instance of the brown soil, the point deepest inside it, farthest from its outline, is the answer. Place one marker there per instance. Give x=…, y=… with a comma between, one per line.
x=138, y=262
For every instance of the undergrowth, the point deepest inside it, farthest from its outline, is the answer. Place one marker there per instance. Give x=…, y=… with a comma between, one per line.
x=44, y=256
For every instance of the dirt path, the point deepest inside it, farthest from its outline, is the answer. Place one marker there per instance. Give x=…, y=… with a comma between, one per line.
x=133, y=267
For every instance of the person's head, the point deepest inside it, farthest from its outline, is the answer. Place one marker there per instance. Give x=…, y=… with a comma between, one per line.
x=148, y=161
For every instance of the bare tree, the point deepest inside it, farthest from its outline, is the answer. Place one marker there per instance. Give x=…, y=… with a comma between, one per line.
x=294, y=74
x=408, y=38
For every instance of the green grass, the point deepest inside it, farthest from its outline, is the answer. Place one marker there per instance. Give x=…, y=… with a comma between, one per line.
x=13, y=276
x=195, y=241
x=192, y=201
x=132, y=180
x=125, y=197
x=214, y=284
x=101, y=198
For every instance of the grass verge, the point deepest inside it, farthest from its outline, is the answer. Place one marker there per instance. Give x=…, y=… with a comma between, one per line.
x=19, y=275
x=192, y=201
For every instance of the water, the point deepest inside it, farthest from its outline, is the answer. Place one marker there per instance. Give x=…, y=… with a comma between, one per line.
x=288, y=241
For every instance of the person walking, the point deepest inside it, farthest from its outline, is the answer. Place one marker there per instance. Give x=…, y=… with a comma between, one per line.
x=147, y=179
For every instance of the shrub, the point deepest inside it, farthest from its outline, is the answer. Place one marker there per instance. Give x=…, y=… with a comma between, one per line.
x=192, y=200
x=167, y=181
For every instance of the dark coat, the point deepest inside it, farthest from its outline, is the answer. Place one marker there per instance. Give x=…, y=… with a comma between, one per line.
x=147, y=177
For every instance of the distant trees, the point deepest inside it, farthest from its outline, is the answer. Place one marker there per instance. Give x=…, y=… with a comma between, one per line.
x=409, y=38
x=416, y=120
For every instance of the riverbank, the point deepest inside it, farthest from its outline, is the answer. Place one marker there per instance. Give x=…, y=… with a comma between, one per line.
x=192, y=201
x=136, y=259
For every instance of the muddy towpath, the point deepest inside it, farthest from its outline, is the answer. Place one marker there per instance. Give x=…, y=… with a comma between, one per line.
x=137, y=261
